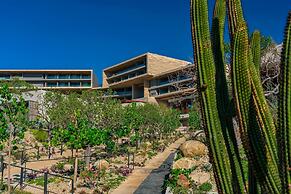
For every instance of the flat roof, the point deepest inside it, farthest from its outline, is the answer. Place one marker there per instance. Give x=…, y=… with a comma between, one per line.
x=124, y=63
x=46, y=70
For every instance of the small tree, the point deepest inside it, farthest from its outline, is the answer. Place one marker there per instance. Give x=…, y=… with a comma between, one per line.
x=13, y=121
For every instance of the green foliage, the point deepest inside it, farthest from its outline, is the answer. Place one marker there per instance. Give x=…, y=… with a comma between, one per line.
x=40, y=135
x=194, y=120
x=17, y=191
x=205, y=187
x=39, y=181
x=78, y=120
x=13, y=116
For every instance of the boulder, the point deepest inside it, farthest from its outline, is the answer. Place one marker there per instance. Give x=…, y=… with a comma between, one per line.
x=193, y=148
x=102, y=164
x=183, y=181
x=200, y=177
x=185, y=163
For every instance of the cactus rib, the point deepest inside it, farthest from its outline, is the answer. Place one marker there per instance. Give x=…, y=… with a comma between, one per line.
x=256, y=49
x=284, y=110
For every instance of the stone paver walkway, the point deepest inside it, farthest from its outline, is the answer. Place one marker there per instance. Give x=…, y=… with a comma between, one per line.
x=149, y=179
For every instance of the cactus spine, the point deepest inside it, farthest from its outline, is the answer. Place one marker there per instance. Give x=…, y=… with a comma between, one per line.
x=284, y=110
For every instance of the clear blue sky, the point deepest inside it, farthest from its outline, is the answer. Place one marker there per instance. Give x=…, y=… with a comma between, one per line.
x=99, y=33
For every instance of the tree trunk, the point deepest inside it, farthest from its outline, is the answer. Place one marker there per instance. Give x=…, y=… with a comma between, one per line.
x=87, y=156
x=9, y=158
x=76, y=170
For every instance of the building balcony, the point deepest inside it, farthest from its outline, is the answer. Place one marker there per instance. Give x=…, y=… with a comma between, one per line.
x=126, y=70
x=170, y=83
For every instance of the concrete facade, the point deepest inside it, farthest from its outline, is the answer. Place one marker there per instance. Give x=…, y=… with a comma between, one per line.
x=53, y=79
x=151, y=78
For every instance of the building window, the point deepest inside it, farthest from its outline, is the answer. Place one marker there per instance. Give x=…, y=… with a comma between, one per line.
x=86, y=84
x=4, y=76
x=32, y=75
x=52, y=76
x=52, y=84
x=86, y=76
x=75, y=84
x=64, y=84
x=75, y=76
x=64, y=76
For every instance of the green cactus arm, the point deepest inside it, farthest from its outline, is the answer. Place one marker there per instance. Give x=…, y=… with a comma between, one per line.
x=260, y=154
x=256, y=49
x=206, y=78
x=223, y=100
x=235, y=16
x=284, y=110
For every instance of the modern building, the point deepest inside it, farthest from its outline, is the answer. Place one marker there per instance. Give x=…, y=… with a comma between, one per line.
x=145, y=78
x=131, y=79
x=53, y=79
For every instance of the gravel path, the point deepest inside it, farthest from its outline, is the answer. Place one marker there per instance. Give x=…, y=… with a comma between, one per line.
x=149, y=179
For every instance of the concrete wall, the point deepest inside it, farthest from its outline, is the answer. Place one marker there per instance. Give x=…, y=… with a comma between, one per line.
x=158, y=64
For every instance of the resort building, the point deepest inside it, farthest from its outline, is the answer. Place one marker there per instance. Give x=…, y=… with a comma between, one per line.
x=145, y=78
x=151, y=78
x=53, y=79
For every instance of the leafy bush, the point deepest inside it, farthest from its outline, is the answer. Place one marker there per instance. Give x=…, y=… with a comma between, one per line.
x=205, y=187
x=40, y=135
x=39, y=181
x=194, y=119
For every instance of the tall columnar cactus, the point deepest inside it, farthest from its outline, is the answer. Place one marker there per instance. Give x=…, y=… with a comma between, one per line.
x=256, y=124
x=284, y=111
x=206, y=75
x=224, y=104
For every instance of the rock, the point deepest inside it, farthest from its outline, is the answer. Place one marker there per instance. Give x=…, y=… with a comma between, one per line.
x=185, y=163
x=183, y=181
x=200, y=177
x=68, y=167
x=102, y=164
x=193, y=148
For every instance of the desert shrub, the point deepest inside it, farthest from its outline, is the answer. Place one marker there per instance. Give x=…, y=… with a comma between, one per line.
x=40, y=135
x=205, y=187
x=17, y=191
x=194, y=119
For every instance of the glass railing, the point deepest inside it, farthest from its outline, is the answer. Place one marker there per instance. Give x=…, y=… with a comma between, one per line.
x=64, y=76
x=86, y=84
x=75, y=84
x=75, y=76
x=86, y=76
x=123, y=93
x=127, y=69
x=67, y=76
x=52, y=84
x=64, y=84
x=126, y=77
x=52, y=76
x=4, y=77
